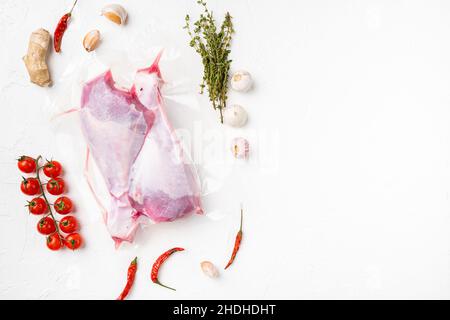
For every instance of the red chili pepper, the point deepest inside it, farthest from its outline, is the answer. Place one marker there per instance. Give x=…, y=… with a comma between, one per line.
x=159, y=262
x=61, y=28
x=237, y=243
x=130, y=279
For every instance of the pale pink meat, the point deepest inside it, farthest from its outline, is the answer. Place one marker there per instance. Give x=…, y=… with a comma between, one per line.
x=133, y=144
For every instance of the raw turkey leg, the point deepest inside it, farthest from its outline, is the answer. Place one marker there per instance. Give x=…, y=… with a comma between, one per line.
x=163, y=184
x=137, y=153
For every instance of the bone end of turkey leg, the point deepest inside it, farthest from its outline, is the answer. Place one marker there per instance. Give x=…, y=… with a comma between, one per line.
x=122, y=222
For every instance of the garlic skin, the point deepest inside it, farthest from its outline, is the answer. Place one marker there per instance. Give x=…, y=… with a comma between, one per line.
x=235, y=116
x=241, y=81
x=116, y=13
x=91, y=40
x=240, y=148
x=209, y=269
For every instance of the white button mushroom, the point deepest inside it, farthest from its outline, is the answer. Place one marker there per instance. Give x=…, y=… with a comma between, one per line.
x=241, y=81
x=240, y=148
x=235, y=116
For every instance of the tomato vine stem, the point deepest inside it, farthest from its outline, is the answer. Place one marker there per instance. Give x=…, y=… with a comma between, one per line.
x=50, y=212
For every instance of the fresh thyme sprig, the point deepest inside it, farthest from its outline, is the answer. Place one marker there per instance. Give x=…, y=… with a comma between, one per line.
x=213, y=45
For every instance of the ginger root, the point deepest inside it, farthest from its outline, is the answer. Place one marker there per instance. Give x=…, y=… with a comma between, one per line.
x=36, y=56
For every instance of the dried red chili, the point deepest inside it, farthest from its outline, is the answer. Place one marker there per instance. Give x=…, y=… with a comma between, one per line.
x=61, y=28
x=130, y=279
x=159, y=262
x=237, y=243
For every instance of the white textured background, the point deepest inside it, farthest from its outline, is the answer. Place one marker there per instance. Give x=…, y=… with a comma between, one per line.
x=357, y=93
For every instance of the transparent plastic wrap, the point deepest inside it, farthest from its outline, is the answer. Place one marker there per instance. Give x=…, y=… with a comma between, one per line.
x=146, y=172
x=121, y=139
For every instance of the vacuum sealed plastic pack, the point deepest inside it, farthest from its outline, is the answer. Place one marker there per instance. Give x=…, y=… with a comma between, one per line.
x=147, y=174
x=139, y=156
x=109, y=118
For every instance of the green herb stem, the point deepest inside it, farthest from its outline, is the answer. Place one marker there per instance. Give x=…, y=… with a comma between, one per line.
x=50, y=212
x=213, y=45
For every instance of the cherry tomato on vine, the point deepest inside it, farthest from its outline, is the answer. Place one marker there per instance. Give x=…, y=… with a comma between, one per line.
x=37, y=206
x=55, y=186
x=73, y=241
x=52, y=169
x=46, y=226
x=26, y=164
x=63, y=205
x=54, y=241
x=68, y=224
x=30, y=186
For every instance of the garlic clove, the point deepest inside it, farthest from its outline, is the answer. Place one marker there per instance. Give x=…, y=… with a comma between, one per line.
x=240, y=148
x=241, y=81
x=115, y=12
x=209, y=269
x=91, y=40
x=235, y=116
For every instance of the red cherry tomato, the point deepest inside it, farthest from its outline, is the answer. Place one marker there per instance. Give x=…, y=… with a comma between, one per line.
x=73, y=241
x=55, y=186
x=26, y=164
x=52, y=169
x=63, y=205
x=54, y=242
x=37, y=206
x=46, y=226
x=30, y=186
x=68, y=224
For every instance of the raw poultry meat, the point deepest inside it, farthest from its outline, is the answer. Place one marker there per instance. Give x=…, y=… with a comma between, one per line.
x=135, y=148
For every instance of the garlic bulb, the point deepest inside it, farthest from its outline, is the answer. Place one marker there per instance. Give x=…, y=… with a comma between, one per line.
x=241, y=81
x=240, y=148
x=235, y=116
x=91, y=40
x=209, y=269
x=115, y=12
